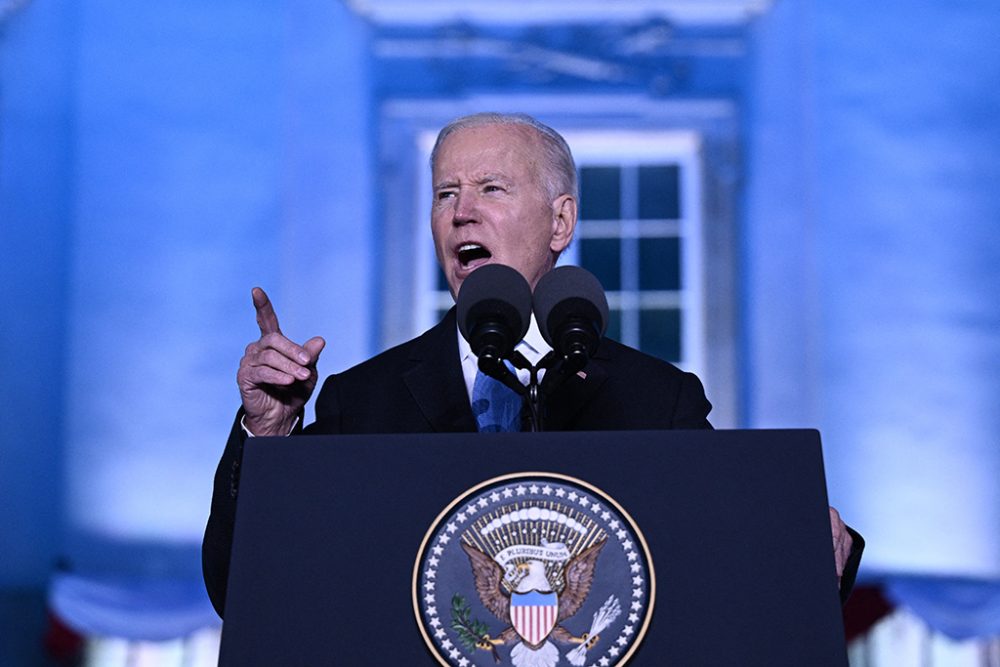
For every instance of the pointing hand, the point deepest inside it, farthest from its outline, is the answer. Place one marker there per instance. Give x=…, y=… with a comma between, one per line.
x=276, y=376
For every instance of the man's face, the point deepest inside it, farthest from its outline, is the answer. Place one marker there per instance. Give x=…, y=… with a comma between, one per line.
x=490, y=204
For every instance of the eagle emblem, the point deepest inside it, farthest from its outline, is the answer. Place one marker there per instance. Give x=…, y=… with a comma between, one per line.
x=533, y=570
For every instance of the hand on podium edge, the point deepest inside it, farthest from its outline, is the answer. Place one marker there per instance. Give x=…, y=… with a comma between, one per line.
x=842, y=542
x=276, y=376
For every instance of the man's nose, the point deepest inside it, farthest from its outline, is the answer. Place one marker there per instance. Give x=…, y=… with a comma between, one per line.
x=466, y=210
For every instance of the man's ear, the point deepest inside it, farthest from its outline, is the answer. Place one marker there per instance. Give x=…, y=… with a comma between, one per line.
x=563, y=222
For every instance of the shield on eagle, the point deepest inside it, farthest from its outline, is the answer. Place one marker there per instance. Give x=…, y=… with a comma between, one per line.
x=533, y=615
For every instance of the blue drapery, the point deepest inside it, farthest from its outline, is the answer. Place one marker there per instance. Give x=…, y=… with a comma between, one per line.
x=136, y=608
x=960, y=608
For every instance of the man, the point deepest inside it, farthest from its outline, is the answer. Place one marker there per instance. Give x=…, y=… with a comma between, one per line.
x=504, y=192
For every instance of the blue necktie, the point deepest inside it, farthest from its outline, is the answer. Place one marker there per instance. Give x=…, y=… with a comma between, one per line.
x=496, y=406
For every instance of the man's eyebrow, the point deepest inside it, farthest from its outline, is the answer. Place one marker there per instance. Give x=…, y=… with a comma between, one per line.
x=486, y=178
x=478, y=180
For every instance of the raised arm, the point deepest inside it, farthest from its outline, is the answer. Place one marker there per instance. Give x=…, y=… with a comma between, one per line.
x=276, y=378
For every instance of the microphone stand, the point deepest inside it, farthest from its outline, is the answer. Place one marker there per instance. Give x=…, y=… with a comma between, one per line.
x=531, y=394
x=557, y=369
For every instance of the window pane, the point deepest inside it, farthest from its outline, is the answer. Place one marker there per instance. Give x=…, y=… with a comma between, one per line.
x=659, y=192
x=660, y=333
x=603, y=258
x=660, y=264
x=600, y=193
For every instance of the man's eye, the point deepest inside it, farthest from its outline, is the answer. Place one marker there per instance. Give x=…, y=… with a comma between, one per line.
x=492, y=188
x=445, y=194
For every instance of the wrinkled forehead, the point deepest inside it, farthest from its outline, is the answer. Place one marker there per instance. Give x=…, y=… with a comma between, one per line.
x=489, y=149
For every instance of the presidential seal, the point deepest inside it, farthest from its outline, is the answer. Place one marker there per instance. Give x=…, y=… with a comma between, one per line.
x=533, y=570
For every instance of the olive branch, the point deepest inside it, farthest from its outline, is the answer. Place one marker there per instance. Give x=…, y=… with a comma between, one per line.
x=471, y=632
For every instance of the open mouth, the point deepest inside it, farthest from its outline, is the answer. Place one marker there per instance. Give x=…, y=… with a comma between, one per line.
x=472, y=253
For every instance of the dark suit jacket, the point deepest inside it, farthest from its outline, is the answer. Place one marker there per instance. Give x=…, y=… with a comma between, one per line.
x=418, y=387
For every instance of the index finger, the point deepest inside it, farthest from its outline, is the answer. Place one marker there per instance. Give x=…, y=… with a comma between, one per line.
x=266, y=319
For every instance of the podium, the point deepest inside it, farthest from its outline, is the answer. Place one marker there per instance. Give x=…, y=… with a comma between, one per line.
x=731, y=558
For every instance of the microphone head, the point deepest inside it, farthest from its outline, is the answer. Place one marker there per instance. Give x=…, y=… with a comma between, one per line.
x=569, y=296
x=494, y=309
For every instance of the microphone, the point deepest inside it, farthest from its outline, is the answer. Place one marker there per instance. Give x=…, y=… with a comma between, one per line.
x=494, y=311
x=572, y=314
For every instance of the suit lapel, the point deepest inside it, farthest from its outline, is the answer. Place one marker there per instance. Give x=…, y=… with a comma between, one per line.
x=436, y=381
x=564, y=406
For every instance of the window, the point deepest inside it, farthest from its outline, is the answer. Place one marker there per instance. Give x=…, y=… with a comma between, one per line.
x=639, y=233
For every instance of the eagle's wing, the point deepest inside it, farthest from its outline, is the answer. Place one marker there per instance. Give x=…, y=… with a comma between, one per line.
x=488, y=577
x=579, y=576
